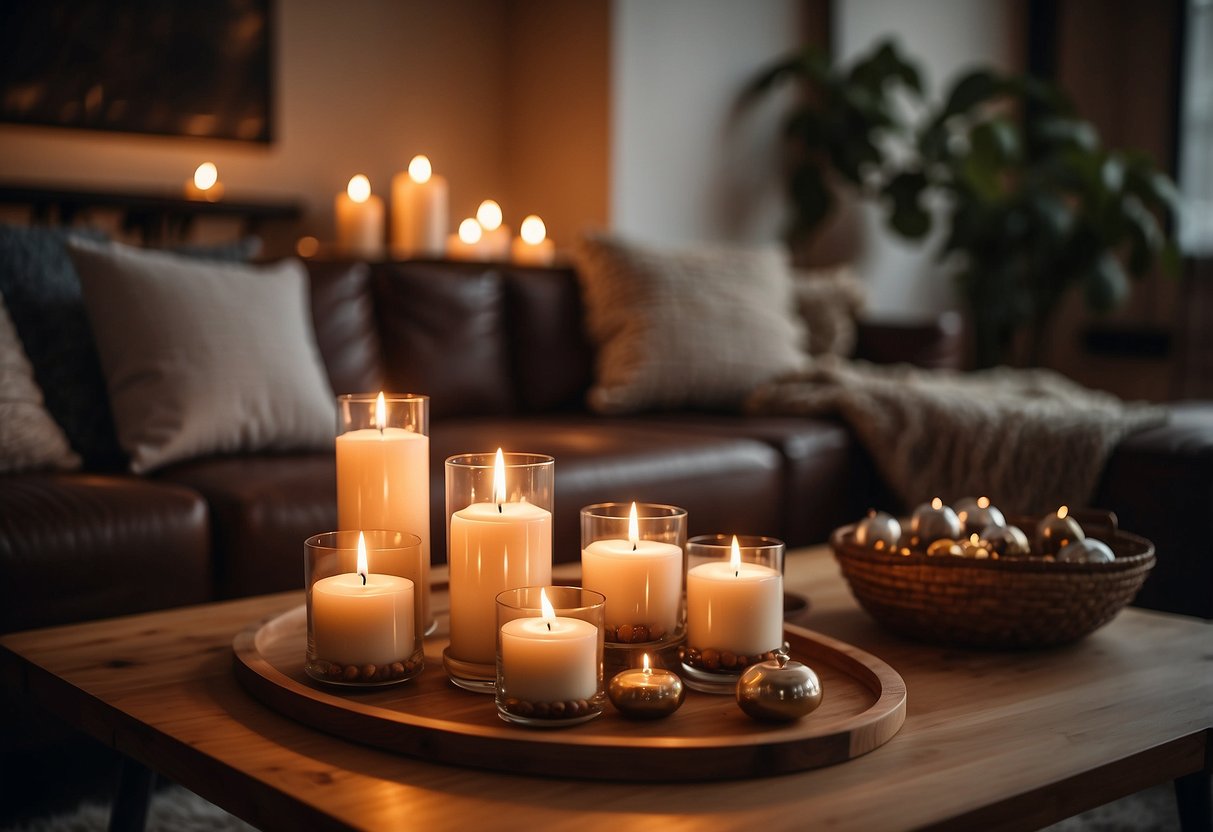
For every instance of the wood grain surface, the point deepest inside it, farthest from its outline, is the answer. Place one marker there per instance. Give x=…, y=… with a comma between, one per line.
x=991, y=740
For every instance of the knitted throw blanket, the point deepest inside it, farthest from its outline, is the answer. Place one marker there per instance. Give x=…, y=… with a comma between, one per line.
x=1030, y=440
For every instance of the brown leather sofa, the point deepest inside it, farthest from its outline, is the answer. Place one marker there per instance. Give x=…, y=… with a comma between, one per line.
x=501, y=353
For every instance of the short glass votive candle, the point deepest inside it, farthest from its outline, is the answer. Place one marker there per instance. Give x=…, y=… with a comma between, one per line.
x=549, y=655
x=734, y=608
x=499, y=537
x=634, y=554
x=383, y=470
x=364, y=625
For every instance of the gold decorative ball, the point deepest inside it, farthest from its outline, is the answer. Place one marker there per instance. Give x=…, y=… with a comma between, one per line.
x=944, y=546
x=646, y=693
x=780, y=690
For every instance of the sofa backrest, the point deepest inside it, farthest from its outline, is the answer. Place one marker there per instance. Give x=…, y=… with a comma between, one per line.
x=479, y=339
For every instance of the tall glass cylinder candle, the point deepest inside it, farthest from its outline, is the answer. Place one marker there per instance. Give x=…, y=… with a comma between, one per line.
x=364, y=624
x=499, y=537
x=549, y=655
x=734, y=608
x=383, y=470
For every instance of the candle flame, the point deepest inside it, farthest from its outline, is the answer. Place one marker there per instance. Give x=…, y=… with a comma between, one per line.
x=983, y=502
x=647, y=667
x=549, y=613
x=1062, y=512
x=937, y=504
x=363, y=569
x=735, y=557
x=489, y=215
x=420, y=170
x=499, y=479
x=532, y=230
x=359, y=188
x=380, y=412
x=469, y=231
x=974, y=539
x=633, y=528
x=206, y=176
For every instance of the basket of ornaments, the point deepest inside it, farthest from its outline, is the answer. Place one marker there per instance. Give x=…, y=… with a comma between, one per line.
x=965, y=574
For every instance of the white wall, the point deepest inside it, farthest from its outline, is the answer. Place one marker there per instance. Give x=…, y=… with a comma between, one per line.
x=683, y=167
x=946, y=37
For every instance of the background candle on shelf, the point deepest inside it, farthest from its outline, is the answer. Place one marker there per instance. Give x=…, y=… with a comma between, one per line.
x=641, y=579
x=549, y=659
x=359, y=220
x=204, y=184
x=363, y=618
x=532, y=247
x=495, y=241
x=419, y=211
x=466, y=244
x=735, y=606
x=493, y=545
x=383, y=470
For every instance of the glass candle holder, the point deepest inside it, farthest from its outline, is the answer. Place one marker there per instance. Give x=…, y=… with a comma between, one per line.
x=634, y=554
x=499, y=537
x=549, y=655
x=364, y=625
x=383, y=470
x=734, y=608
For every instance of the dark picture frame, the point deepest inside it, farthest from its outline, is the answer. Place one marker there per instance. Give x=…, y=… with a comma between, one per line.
x=200, y=68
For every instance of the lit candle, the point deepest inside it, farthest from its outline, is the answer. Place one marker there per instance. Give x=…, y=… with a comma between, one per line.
x=735, y=606
x=493, y=546
x=645, y=693
x=359, y=220
x=363, y=618
x=641, y=579
x=205, y=184
x=532, y=247
x=419, y=211
x=496, y=237
x=466, y=243
x=549, y=659
x=383, y=482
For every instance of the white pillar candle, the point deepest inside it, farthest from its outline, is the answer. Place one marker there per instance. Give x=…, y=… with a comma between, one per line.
x=735, y=606
x=383, y=482
x=493, y=546
x=495, y=237
x=549, y=659
x=419, y=211
x=467, y=243
x=360, y=220
x=363, y=618
x=532, y=247
x=641, y=579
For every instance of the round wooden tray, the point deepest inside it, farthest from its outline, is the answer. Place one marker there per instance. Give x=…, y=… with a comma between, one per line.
x=709, y=738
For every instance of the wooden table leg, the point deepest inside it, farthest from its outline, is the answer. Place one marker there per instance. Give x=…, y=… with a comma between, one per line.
x=129, y=812
x=1194, y=795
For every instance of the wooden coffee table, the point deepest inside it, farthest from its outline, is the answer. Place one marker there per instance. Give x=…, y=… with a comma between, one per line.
x=991, y=740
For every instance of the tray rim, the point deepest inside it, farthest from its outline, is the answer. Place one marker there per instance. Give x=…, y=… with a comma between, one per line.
x=862, y=732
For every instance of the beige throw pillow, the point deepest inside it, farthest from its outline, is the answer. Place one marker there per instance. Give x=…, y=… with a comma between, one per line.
x=203, y=357
x=696, y=328
x=30, y=439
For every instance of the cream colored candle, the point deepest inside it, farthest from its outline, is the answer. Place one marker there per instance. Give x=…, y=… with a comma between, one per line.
x=419, y=211
x=363, y=618
x=493, y=546
x=549, y=659
x=735, y=606
x=383, y=482
x=495, y=237
x=641, y=579
x=359, y=220
x=467, y=242
x=532, y=247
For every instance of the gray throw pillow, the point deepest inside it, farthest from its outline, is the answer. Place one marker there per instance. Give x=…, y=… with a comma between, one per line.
x=697, y=328
x=29, y=438
x=203, y=358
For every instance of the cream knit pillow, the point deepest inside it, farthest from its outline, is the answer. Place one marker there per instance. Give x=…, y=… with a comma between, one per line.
x=697, y=328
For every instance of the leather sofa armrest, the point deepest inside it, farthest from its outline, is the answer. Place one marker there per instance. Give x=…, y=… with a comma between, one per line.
x=937, y=343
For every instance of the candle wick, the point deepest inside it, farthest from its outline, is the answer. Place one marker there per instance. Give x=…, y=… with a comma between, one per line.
x=499, y=511
x=736, y=573
x=549, y=623
x=363, y=576
x=634, y=545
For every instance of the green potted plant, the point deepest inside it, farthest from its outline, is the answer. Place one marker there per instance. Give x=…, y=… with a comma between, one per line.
x=1033, y=204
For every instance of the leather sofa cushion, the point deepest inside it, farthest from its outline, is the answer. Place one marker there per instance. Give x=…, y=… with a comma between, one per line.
x=552, y=359
x=443, y=331
x=76, y=547
x=262, y=509
x=725, y=483
x=343, y=314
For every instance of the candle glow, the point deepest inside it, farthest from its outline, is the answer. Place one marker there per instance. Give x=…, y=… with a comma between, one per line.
x=499, y=479
x=359, y=188
x=205, y=176
x=363, y=569
x=469, y=231
x=633, y=528
x=489, y=215
x=420, y=169
x=380, y=412
x=533, y=231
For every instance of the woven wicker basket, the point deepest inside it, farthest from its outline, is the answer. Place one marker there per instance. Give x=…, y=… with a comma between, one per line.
x=1006, y=603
